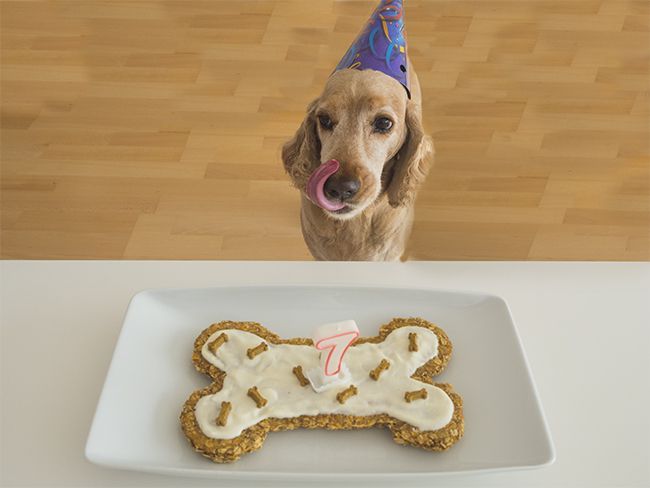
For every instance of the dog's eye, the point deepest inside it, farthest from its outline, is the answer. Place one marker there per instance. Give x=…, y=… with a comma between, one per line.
x=325, y=122
x=382, y=124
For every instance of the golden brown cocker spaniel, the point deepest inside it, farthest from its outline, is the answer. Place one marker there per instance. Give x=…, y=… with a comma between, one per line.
x=363, y=146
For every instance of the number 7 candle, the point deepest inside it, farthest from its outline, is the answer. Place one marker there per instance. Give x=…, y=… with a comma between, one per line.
x=333, y=340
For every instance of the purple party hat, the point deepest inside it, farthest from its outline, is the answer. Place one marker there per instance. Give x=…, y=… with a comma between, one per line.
x=382, y=44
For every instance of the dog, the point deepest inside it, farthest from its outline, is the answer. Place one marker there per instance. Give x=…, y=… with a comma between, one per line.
x=366, y=133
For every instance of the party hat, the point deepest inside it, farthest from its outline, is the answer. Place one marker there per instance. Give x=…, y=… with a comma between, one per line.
x=381, y=45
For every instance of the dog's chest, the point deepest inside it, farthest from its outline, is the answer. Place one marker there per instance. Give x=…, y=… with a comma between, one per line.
x=369, y=237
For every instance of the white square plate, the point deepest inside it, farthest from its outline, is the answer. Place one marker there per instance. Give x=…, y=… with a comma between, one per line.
x=136, y=423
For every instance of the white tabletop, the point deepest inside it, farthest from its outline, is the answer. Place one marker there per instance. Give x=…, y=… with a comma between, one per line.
x=585, y=327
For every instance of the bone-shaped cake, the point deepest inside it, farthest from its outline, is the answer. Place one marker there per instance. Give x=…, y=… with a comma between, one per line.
x=259, y=385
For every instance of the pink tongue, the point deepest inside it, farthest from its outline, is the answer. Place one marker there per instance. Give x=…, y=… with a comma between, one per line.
x=316, y=183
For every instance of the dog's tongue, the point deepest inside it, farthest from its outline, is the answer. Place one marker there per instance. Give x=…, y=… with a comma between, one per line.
x=316, y=183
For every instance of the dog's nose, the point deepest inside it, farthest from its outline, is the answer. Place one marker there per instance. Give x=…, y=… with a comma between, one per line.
x=336, y=189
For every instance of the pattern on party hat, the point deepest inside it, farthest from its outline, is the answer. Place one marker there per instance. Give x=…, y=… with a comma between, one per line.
x=381, y=45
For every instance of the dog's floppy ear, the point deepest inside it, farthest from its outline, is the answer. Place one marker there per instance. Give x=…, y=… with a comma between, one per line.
x=411, y=164
x=301, y=154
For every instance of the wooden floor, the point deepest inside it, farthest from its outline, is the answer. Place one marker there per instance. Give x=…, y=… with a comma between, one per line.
x=151, y=129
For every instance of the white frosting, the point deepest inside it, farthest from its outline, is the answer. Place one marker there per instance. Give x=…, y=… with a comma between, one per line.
x=271, y=372
x=320, y=382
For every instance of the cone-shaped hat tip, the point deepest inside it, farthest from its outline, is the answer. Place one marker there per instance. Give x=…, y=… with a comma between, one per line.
x=381, y=45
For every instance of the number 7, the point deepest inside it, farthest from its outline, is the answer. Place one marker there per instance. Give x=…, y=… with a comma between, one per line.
x=338, y=345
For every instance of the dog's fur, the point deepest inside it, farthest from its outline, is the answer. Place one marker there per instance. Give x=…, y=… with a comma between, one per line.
x=390, y=166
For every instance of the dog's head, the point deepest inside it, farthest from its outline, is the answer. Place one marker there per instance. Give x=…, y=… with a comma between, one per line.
x=365, y=122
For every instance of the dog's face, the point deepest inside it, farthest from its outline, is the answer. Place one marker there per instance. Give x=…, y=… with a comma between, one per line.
x=363, y=120
x=361, y=123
